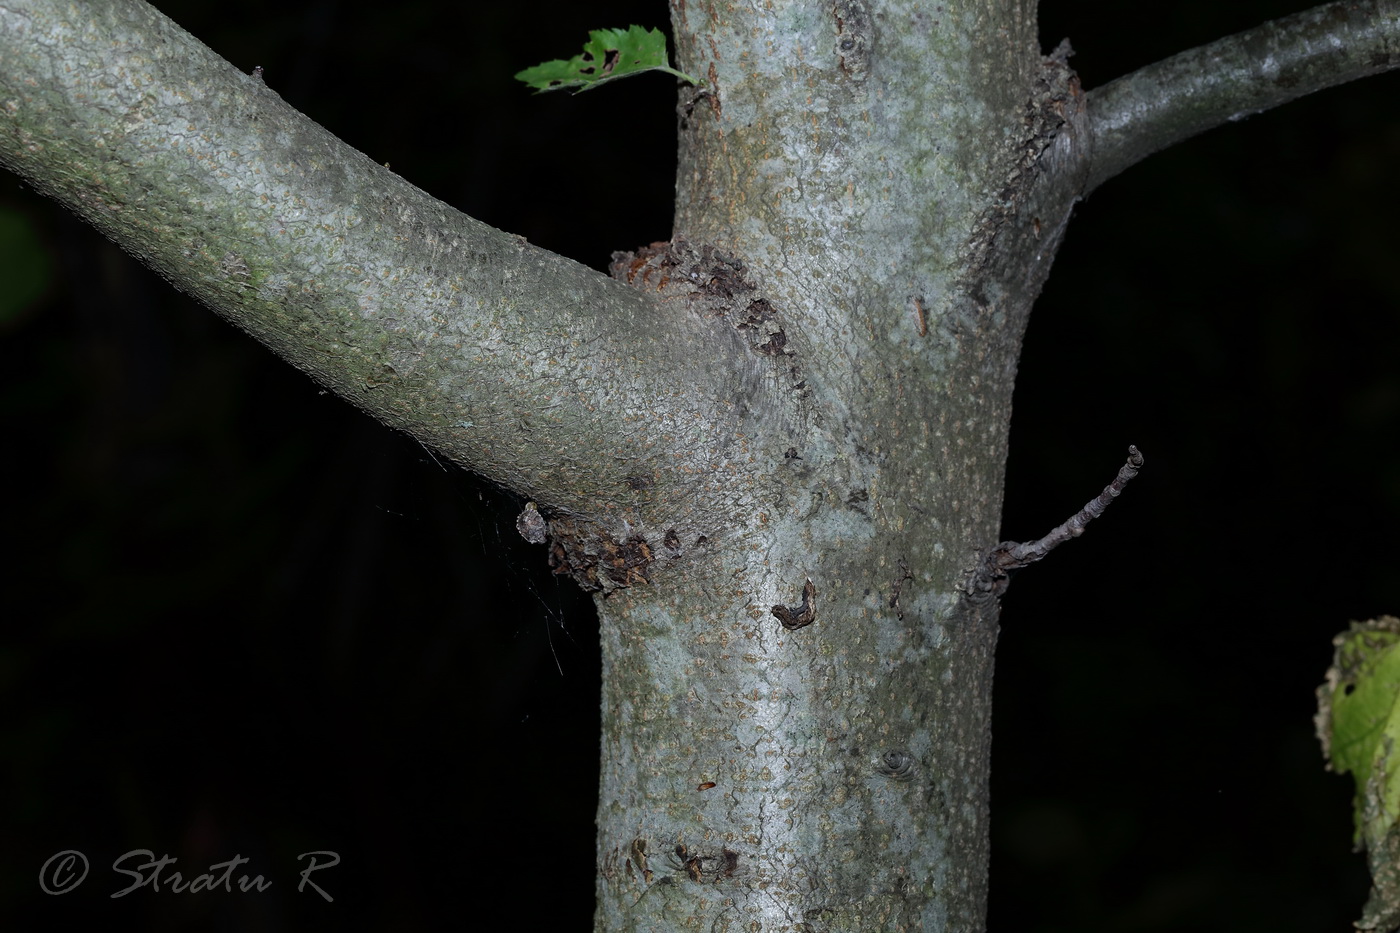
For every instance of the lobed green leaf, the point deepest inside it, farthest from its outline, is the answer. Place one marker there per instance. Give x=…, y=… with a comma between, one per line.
x=608, y=54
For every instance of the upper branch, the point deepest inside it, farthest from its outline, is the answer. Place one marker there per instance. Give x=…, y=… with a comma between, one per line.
x=1164, y=103
x=541, y=374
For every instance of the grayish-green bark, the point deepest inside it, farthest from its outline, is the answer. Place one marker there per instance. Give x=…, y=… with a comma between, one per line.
x=863, y=187
x=503, y=356
x=776, y=454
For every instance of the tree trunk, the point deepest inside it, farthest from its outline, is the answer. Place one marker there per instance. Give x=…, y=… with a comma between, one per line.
x=834, y=774
x=774, y=446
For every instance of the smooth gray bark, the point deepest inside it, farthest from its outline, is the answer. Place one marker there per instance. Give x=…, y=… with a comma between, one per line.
x=777, y=455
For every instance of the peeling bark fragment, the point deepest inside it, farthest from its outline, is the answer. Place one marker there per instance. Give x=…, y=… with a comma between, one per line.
x=1057, y=100
x=595, y=559
x=693, y=866
x=774, y=346
x=639, y=856
x=702, y=868
x=710, y=92
x=712, y=283
x=804, y=614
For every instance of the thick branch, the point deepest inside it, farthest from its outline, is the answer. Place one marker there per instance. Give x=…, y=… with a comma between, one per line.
x=1164, y=103
x=521, y=364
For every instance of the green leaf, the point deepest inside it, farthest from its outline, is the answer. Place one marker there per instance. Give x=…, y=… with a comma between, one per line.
x=1359, y=724
x=607, y=55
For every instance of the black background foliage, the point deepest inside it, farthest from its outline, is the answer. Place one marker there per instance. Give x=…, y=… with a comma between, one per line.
x=243, y=619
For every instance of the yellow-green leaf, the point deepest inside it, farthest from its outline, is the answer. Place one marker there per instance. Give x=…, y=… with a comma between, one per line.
x=1359, y=725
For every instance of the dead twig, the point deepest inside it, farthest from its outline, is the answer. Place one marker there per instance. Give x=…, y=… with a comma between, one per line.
x=991, y=577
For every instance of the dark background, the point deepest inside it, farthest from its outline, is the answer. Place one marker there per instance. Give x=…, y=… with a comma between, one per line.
x=241, y=618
